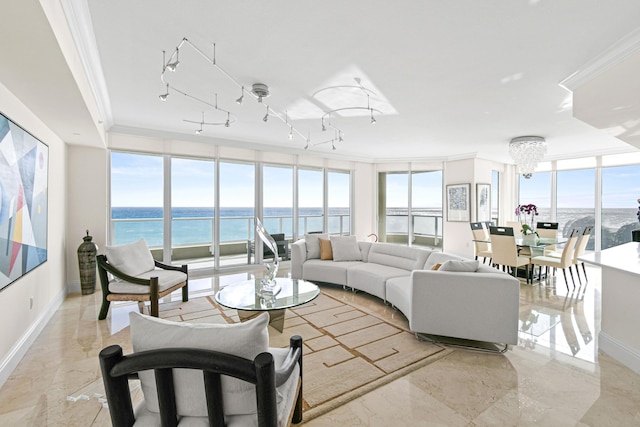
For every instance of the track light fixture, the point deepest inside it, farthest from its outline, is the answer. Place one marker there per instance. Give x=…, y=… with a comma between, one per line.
x=239, y=100
x=171, y=66
x=258, y=91
x=164, y=96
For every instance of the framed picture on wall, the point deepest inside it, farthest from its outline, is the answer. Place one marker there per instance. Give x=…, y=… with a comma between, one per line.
x=483, y=202
x=23, y=201
x=458, y=201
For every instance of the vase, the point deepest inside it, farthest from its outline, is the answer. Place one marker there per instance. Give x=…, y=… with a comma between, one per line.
x=529, y=239
x=87, y=265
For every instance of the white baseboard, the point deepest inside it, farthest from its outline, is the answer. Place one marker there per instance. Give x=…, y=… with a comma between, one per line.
x=629, y=357
x=18, y=351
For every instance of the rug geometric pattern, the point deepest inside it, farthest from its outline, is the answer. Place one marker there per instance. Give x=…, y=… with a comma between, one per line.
x=347, y=352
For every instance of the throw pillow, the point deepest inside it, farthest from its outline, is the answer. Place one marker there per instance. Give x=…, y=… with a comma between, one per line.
x=436, y=267
x=345, y=248
x=246, y=340
x=132, y=259
x=326, y=253
x=460, y=266
x=312, y=241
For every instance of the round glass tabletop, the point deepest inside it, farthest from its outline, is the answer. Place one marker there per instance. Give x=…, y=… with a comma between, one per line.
x=246, y=295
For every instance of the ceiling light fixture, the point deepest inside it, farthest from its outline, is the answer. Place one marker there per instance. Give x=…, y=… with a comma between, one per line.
x=171, y=66
x=360, y=88
x=239, y=100
x=258, y=91
x=527, y=152
x=164, y=96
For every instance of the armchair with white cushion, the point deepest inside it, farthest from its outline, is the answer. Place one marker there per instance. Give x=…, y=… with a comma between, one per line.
x=203, y=374
x=129, y=273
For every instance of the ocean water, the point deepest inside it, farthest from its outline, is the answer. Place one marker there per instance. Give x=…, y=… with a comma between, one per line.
x=195, y=225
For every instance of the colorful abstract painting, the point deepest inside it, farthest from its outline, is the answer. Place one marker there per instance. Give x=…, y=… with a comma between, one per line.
x=24, y=164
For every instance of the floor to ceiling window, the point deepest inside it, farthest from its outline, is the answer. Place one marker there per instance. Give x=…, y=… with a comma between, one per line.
x=426, y=208
x=620, y=206
x=410, y=208
x=575, y=200
x=137, y=199
x=537, y=190
x=182, y=223
x=192, y=211
x=277, y=199
x=310, y=201
x=237, y=212
x=339, y=202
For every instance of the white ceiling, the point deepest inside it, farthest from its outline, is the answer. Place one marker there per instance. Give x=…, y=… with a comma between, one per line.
x=453, y=78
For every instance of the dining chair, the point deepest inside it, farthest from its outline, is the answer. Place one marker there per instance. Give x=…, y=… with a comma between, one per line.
x=564, y=262
x=548, y=230
x=481, y=241
x=579, y=250
x=517, y=227
x=505, y=251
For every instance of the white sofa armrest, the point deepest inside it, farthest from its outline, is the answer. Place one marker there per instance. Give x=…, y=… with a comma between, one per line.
x=298, y=257
x=474, y=306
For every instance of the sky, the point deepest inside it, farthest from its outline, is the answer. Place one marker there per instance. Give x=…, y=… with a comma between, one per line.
x=136, y=181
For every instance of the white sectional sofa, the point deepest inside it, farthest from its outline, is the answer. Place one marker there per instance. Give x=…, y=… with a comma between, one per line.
x=481, y=305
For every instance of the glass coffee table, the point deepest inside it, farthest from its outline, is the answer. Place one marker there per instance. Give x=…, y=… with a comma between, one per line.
x=246, y=298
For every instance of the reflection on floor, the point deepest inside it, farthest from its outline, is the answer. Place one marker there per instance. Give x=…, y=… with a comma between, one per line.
x=554, y=376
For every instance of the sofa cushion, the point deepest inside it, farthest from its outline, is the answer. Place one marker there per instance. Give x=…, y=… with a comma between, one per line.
x=345, y=248
x=312, y=242
x=398, y=293
x=404, y=257
x=326, y=252
x=365, y=247
x=371, y=277
x=132, y=259
x=455, y=265
x=327, y=271
x=438, y=257
x=246, y=340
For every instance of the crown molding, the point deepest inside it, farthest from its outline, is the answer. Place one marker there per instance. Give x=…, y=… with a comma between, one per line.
x=615, y=54
x=79, y=22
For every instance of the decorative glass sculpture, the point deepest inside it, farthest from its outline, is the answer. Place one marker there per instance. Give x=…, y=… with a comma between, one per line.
x=269, y=286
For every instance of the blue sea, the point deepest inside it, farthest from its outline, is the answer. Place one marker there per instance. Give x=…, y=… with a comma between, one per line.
x=191, y=226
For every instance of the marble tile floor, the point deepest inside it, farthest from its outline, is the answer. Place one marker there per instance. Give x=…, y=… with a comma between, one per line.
x=555, y=376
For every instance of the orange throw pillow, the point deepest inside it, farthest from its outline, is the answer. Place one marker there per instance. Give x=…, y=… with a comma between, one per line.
x=326, y=253
x=436, y=266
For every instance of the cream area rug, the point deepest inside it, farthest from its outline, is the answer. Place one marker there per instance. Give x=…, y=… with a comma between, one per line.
x=347, y=351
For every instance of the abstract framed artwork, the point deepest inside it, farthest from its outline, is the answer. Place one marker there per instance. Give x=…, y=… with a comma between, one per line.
x=483, y=202
x=458, y=202
x=24, y=164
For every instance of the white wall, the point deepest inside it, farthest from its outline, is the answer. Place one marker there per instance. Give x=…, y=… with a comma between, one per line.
x=45, y=285
x=87, y=204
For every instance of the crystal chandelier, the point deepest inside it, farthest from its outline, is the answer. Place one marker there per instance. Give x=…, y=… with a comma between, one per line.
x=527, y=152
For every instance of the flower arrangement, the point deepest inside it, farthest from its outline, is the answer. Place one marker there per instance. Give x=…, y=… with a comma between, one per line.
x=526, y=214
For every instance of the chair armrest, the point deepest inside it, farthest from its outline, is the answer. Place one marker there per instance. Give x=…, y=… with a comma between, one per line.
x=164, y=266
x=298, y=257
x=294, y=356
x=103, y=264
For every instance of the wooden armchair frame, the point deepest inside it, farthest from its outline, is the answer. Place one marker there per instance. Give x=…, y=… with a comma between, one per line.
x=117, y=369
x=154, y=292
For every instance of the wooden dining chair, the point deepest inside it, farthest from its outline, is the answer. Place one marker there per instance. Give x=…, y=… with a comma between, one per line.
x=564, y=262
x=481, y=241
x=548, y=230
x=505, y=251
x=580, y=248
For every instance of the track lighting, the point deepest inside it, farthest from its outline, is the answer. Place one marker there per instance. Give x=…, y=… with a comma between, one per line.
x=164, y=96
x=257, y=91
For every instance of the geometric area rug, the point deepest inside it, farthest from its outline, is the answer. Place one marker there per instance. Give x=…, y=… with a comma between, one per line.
x=347, y=351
